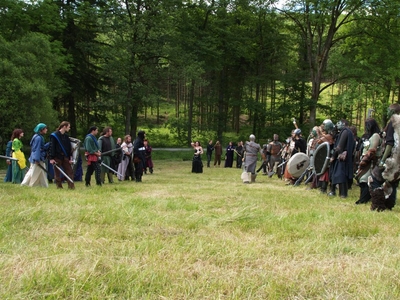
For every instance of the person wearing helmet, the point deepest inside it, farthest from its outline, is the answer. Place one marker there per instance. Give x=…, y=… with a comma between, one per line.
x=342, y=159
x=327, y=128
x=251, y=151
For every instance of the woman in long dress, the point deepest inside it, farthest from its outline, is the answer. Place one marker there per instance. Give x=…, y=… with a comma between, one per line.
x=18, y=167
x=229, y=155
x=197, y=164
x=127, y=149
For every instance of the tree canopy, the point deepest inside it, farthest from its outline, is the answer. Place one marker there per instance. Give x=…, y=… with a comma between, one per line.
x=199, y=68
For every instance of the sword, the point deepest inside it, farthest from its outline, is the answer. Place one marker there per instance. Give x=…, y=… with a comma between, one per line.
x=110, y=151
x=111, y=169
x=62, y=172
x=7, y=157
x=43, y=168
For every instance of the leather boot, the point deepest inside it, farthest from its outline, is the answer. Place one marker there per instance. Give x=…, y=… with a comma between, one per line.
x=365, y=196
x=110, y=178
x=333, y=190
x=343, y=190
x=324, y=186
x=253, y=178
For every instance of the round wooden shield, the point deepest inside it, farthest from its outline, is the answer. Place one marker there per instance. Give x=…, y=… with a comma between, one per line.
x=321, y=158
x=297, y=164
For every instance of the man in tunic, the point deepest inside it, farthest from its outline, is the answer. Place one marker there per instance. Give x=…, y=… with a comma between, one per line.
x=92, y=155
x=251, y=151
x=106, y=144
x=61, y=154
x=274, y=155
x=342, y=159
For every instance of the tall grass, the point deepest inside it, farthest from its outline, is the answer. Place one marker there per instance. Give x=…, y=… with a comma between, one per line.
x=179, y=235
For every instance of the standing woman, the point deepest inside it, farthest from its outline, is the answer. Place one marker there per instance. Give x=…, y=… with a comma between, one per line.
x=127, y=149
x=229, y=155
x=36, y=175
x=18, y=167
x=197, y=164
x=8, y=177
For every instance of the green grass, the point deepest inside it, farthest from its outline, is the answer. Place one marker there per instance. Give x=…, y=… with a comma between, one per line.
x=179, y=235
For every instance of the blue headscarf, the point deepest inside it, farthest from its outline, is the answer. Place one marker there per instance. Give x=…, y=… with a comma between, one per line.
x=39, y=127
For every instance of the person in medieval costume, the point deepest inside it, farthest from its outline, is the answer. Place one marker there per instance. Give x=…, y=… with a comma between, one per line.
x=92, y=155
x=107, y=144
x=251, y=151
x=274, y=150
x=19, y=162
x=210, y=149
x=37, y=174
x=327, y=128
x=384, y=179
x=239, y=154
x=61, y=154
x=139, y=155
x=127, y=150
x=218, y=154
x=149, y=160
x=230, y=150
x=299, y=146
x=342, y=160
x=197, y=164
x=371, y=154
x=312, y=145
x=8, y=177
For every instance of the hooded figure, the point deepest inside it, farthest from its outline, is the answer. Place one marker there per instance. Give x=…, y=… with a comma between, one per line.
x=36, y=175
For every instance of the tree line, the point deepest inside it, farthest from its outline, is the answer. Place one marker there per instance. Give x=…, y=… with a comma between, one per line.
x=222, y=66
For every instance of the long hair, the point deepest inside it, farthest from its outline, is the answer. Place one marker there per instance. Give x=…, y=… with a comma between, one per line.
x=16, y=133
x=126, y=138
x=371, y=127
x=63, y=124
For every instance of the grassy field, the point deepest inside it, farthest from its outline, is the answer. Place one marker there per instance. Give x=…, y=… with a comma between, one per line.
x=179, y=235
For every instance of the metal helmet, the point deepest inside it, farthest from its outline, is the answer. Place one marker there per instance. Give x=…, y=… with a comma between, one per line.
x=328, y=125
x=252, y=137
x=341, y=124
x=297, y=131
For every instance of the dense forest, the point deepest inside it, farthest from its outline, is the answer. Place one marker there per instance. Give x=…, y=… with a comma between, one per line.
x=190, y=69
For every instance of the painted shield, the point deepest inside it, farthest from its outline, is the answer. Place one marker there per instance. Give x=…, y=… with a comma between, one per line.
x=321, y=158
x=297, y=164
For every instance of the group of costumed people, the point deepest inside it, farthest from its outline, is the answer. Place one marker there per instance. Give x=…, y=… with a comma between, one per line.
x=372, y=160
x=60, y=159
x=230, y=151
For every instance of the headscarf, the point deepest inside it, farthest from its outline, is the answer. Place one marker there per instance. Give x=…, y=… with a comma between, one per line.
x=39, y=127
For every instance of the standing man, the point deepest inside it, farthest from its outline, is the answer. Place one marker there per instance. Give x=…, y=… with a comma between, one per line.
x=342, y=159
x=251, y=150
x=210, y=149
x=274, y=150
x=92, y=155
x=239, y=154
x=61, y=154
x=36, y=175
x=106, y=144
x=139, y=155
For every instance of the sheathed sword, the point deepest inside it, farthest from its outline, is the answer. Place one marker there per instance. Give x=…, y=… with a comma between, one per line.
x=111, y=169
x=62, y=172
x=8, y=157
